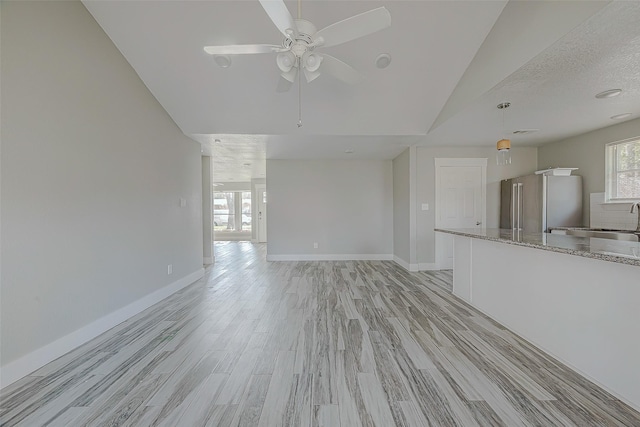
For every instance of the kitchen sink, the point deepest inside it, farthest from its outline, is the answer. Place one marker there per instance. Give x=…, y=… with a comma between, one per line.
x=628, y=236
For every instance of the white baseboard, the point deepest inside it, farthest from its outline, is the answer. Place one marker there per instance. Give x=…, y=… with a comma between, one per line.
x=427, y=266
x=208, y=260
x=423, y=266
x=30, y=362
x=331, y=257
x=402, y=263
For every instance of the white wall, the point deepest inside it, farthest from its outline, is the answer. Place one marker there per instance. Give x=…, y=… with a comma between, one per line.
x=587, y=153
x=93, y=170
x=401, y=210
x=346, y=206
x=524, y=161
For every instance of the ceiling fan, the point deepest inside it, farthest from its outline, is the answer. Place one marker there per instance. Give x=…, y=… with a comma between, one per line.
x=301, y=39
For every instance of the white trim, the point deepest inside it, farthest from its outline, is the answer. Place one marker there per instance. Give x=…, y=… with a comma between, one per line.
x=331, y=257
x=423, y=266
x=407, y=266
x=427, y=266
x=402, y=263
x=413, y=244
x=30, y=362
x=209, y=260
x=254, y=210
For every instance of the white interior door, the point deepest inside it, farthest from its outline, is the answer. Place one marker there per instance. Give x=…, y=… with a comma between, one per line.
x=460, y=201
x=262, y=213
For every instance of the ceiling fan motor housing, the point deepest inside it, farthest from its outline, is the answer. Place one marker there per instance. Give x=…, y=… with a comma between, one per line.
x=303, y=41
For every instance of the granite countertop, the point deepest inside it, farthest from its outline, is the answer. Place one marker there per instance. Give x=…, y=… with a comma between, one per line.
x=603, y=249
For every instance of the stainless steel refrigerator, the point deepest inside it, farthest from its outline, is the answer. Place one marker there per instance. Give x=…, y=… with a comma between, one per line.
x=536, y=203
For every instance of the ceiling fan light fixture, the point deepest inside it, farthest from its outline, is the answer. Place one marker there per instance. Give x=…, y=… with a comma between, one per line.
x=223, y=61
x=286, y=61
x=290, y=75
x=311, y=75
x=311, y=61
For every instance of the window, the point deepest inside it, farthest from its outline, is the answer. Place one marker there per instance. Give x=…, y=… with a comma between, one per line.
x=623, y=170
x=232, y=211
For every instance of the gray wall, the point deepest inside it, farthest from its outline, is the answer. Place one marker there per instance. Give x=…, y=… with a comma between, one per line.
x=587, y=153
x=93, y=170
x=401, y=212
x=524, y=161
x=254, y=206
x=344, y=205
x=207, y=210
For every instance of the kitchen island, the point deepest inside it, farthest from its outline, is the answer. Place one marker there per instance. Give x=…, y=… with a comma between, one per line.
x=576, y=298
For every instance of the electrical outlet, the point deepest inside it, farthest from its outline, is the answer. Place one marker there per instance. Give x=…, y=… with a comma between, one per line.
x=315, y=245
x=425, y=206
x=169, y=269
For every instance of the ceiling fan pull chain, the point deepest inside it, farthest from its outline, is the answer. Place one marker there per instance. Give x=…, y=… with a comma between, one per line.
x=299, y=99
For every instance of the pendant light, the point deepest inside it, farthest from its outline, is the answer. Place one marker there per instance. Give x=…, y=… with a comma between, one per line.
x=503, y=156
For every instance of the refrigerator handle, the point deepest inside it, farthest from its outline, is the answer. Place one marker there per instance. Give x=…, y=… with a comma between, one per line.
x=514, y=191
x=520, y=205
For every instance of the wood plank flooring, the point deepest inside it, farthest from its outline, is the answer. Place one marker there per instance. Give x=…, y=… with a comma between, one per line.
x=360, y=343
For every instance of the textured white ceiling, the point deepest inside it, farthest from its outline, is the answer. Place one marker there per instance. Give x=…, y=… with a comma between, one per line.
x=452, y=60
x=555, y=91
x=236, y=158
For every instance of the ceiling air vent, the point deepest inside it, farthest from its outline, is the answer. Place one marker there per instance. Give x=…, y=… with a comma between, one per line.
x=523, y=131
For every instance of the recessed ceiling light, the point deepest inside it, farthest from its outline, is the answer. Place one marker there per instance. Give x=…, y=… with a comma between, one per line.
x=383, y=60
x=609, y=93
x=223, y=61
x=620, y=116
x=348, y=151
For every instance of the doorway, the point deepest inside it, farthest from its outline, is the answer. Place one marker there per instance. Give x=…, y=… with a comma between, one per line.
x=460, y=201
x=261, y=199
x=232, y=215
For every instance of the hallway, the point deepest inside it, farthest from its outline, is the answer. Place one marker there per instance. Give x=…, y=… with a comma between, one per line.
x=343, y=343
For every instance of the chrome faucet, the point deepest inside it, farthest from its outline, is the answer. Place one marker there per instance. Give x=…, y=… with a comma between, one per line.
x=636, y=205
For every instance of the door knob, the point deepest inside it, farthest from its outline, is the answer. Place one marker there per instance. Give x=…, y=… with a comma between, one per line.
x=478, y=222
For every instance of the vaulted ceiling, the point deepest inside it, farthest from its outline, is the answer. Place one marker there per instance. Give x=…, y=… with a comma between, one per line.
x=452, y=63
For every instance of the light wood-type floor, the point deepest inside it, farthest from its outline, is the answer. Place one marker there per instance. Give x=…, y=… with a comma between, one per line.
x=309, y=344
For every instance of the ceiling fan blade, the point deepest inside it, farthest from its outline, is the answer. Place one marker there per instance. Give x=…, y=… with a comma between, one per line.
x=283, y=85
x=355, y=27
x=240, y=49
x=340, y=70
x=279, y=14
